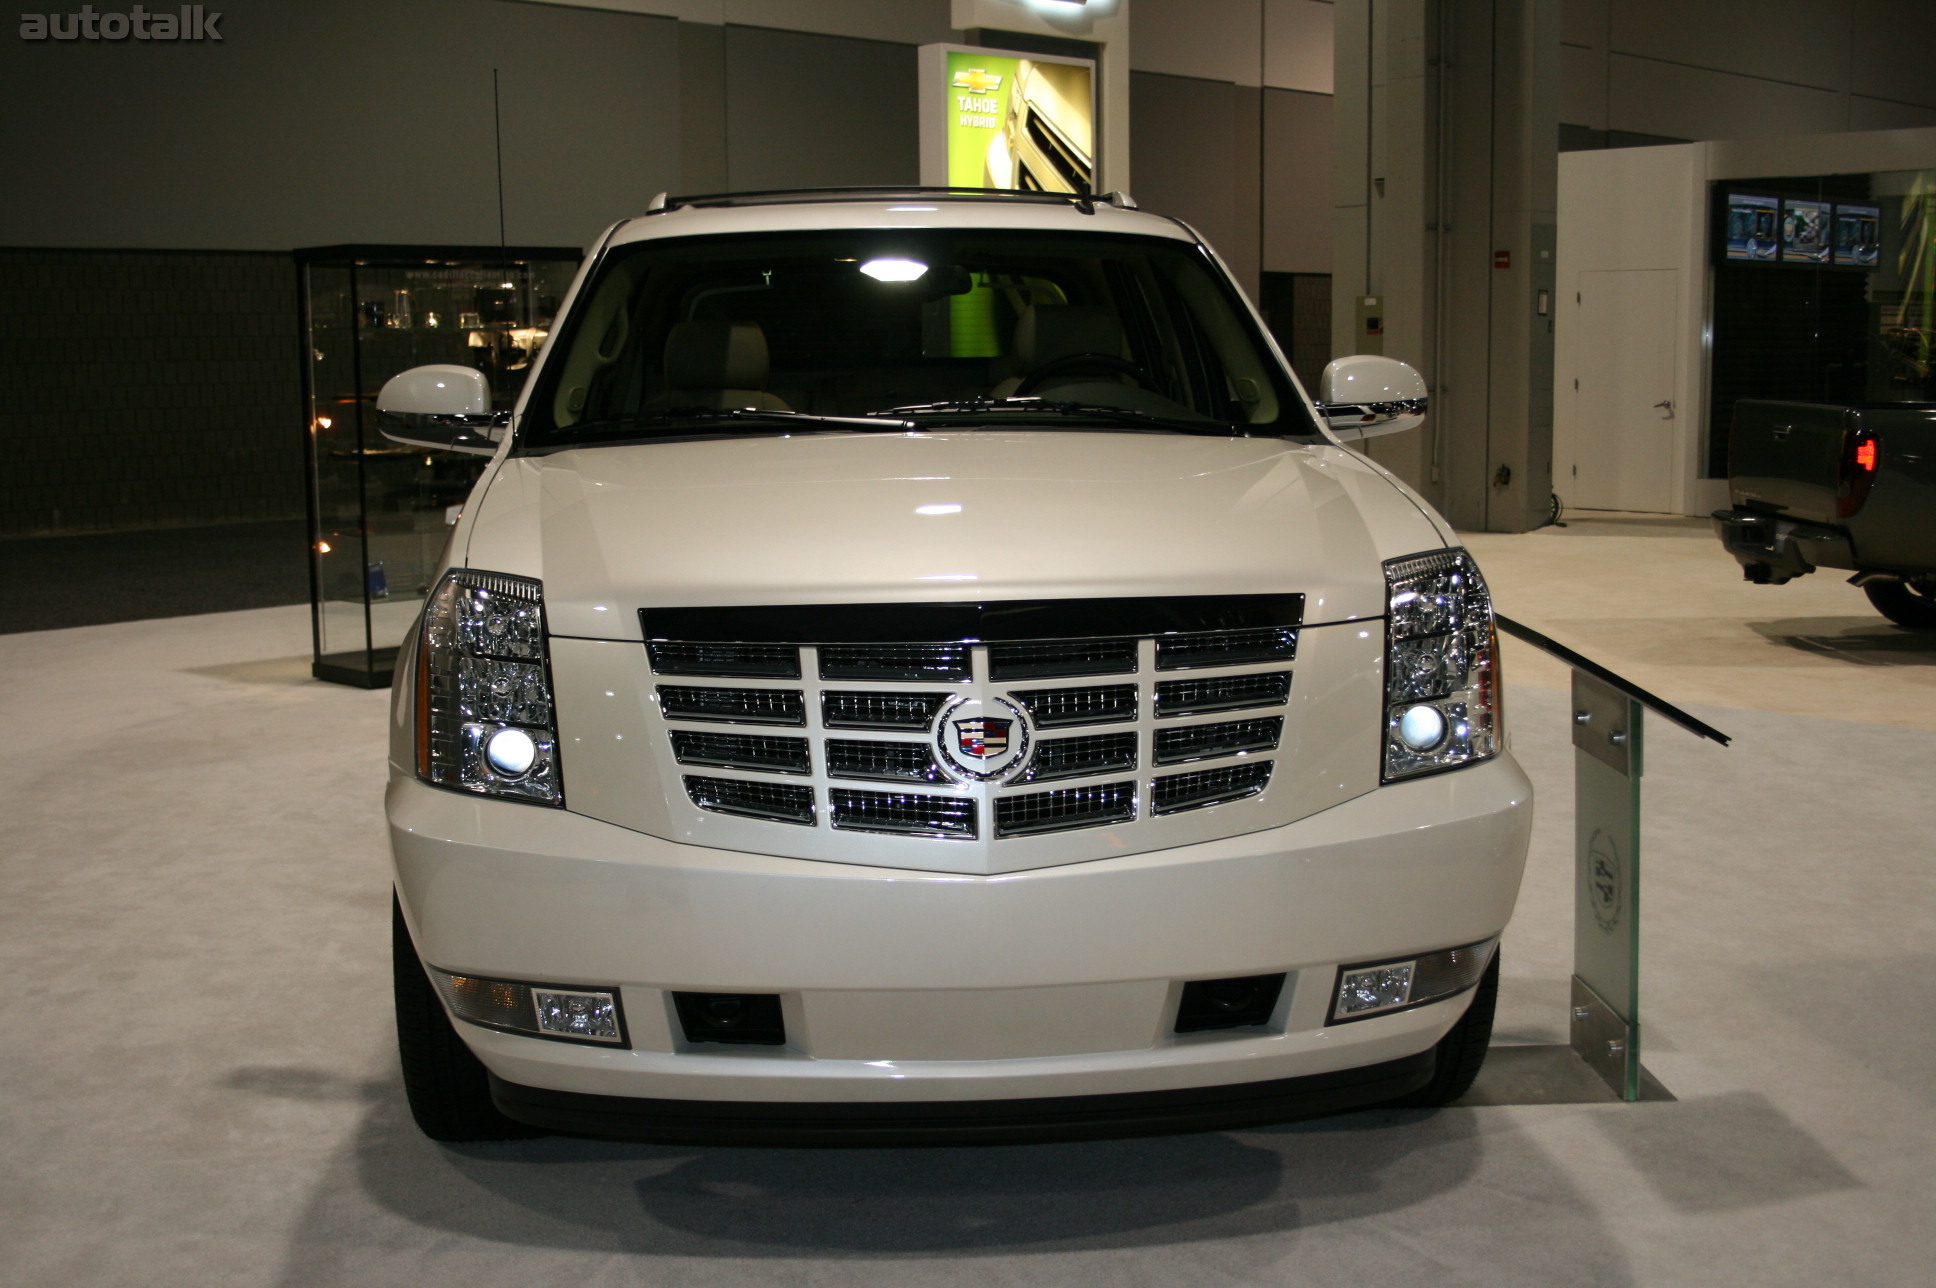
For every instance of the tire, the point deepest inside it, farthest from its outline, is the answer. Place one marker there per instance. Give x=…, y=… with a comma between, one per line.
x=1906, y=603
x=448, y=1089
x=1462, y=1052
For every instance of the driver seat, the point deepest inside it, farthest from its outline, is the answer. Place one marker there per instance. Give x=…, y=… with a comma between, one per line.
x=717, y=364
x=1046, y=332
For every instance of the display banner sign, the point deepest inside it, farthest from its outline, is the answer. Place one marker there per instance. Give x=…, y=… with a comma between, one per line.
x=1001, y=120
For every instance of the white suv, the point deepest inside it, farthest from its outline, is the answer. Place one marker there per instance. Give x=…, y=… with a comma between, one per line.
x=918, y=668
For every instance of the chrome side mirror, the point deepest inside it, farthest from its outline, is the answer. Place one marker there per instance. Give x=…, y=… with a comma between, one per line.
x=443, y=406
x=1364, y=396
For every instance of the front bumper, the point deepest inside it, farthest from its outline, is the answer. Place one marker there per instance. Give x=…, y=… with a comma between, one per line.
x=908, y=988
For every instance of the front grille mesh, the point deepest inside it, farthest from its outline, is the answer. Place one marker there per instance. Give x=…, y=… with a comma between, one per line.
x=886, y=761
x=735, y=706
x=903, y=813
x=867, y=714
x=1203, y=741
x=777, y=802
x=1056, y=708
x=741, y=751
x=1107, y=753
x=1049, y=659
x=1178, y=792
x=1226, y=648
x=695, y=657
x=1224, y=693
x=928, y=663
x=1065, y=810
x=880, y=710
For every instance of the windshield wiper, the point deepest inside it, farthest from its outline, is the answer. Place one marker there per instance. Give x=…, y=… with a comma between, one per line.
x=1055, y=407
x=685, y=417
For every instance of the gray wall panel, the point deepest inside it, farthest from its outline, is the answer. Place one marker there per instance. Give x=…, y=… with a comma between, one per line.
x=1297, y=181
x=1583, y=87
x=1648, y=97
x=1803, y=42
x=807, y=111
x=1895, y=51
x=1187, y=154
x=1876, y=114
x=318, y=121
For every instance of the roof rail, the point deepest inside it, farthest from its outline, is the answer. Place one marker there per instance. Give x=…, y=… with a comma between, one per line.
x=1083, y=201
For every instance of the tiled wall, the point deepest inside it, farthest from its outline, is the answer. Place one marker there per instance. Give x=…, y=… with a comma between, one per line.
x=147, y=389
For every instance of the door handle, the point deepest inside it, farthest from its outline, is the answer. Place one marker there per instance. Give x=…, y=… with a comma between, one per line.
x=1666, y=405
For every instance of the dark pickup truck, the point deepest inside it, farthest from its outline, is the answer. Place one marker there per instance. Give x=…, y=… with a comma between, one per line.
x=1818, y=485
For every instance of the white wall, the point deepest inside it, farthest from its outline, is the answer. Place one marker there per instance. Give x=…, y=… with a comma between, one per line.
x=1647, y=208
x=1721, y=69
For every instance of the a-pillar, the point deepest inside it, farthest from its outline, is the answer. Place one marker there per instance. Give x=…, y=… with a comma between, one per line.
x=1446, y=181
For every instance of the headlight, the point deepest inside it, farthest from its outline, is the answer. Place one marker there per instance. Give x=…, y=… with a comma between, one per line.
x=1441, y=665
x=484, y=714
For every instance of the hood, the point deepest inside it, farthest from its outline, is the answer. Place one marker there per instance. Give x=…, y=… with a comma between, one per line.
x=936, y=517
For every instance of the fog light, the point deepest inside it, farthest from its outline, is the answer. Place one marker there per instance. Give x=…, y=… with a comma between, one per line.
x=512, y=752
x=1422, y=728
x=535, y=1010
x=1382, y=987
x=579, y=1015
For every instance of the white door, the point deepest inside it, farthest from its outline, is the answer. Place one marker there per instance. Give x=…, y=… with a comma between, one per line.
x=1627, y=442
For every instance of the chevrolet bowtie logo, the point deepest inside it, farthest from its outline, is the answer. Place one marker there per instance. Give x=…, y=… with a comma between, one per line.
x=977, y=81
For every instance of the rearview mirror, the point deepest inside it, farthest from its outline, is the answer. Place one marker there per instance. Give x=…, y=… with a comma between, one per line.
x=1365, y=395
x=443, y=406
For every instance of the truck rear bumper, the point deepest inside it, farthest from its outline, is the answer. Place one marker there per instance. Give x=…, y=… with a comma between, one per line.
x=1772, y=550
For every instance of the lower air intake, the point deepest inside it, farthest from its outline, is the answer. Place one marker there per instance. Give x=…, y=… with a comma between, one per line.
x=1065, y=810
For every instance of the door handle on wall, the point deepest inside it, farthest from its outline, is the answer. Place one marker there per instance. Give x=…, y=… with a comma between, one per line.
x=1666, y=405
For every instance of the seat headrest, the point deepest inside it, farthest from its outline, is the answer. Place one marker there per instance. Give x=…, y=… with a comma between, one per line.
x=716, y=355
x=1046, y=332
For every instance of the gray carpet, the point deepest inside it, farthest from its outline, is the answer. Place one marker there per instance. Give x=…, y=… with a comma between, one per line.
x=199, y=1086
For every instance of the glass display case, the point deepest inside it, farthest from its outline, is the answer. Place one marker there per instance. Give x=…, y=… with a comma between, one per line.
x=380, y=513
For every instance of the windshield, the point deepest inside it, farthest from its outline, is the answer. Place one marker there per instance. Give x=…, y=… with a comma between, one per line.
x=770, y=333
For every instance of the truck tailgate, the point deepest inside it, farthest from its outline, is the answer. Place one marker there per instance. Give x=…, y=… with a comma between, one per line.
x=1787, y=456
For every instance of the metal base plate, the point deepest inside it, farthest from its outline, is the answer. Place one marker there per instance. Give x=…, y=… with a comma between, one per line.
x=1609, y=1045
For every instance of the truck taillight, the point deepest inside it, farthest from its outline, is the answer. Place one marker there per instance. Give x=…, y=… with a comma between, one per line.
x=1860, y=457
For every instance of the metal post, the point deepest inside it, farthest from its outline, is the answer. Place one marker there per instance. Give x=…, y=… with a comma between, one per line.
x=1607, y=728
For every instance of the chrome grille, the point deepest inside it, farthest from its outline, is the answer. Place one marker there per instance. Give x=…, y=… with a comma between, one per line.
x=915, y=711
x=928, y=663
x=776, y=802
x=688, y=657
x=885, y=761
x=1065, y=810
x=1226, y=648
x=872, y=761
x=1058, y=708
x=741, y=751
x=735, y=706
x=1224, y=693
x=1105, y=753
x=1052, y=659
x=1175, y=745
x=902, y=813
x=1178, y=792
